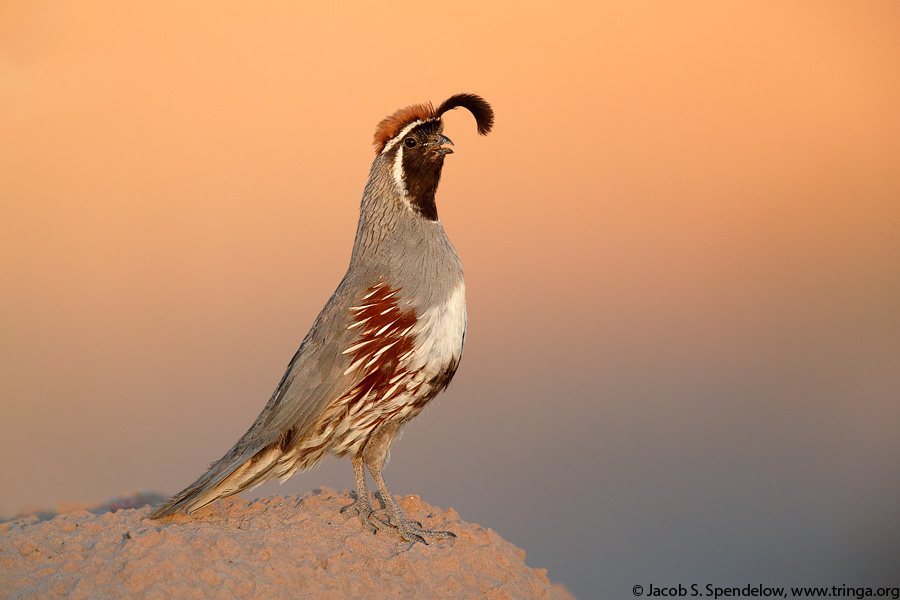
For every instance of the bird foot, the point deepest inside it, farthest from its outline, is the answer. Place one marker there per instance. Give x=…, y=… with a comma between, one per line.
x=409, y=529
x=363, y=508
x=414, y=533
x=387, y=517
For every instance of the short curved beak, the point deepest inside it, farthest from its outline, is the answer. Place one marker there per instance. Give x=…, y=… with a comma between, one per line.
x=439, y=141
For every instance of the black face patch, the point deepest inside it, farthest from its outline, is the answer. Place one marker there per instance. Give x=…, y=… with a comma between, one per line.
x=422, y=167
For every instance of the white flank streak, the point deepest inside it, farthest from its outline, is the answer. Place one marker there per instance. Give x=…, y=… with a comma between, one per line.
x=386, y=327
x=375, y=290
x=391, y=391
x=386, y=348
x=359, y=323
x=354, y=366
x=388, y=309
x=355, y=347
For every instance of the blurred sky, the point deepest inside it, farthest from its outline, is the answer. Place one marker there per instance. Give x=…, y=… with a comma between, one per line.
x=681, y=243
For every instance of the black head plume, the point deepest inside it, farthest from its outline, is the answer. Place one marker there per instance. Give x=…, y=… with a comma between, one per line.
x=390, y=126
x=478, y=106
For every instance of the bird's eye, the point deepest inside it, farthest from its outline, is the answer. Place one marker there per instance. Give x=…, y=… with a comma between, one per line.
x=410, y=142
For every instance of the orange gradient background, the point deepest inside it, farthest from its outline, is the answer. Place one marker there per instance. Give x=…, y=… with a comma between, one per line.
x=681, y=243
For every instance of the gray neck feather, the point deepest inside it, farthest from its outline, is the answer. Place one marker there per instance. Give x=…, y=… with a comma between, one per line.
x=395, y=244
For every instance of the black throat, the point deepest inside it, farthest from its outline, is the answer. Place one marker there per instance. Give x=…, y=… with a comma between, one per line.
x=423, y=173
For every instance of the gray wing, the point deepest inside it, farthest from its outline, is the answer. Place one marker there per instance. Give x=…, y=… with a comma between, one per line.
x=314, y=378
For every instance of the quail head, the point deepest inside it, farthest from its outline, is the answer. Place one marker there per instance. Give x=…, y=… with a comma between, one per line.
x=388, y=341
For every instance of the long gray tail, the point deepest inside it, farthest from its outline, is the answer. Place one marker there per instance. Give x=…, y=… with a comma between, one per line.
x=229, y=475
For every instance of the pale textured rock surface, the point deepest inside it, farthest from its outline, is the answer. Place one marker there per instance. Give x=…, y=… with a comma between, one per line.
x=270, y=548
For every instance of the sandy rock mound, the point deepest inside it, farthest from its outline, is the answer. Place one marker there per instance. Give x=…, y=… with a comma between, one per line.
x=270, y=548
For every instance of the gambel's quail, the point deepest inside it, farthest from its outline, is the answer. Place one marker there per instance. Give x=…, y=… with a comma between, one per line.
x=387, y=341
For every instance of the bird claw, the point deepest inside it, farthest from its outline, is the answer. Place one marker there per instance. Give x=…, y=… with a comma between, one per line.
x=354, y=506
x=409, y=529
x=412, y=531
x=417, y=534
x=363, y=509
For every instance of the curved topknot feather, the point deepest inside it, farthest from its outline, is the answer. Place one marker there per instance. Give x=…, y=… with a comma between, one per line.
x=390, y=126
x=478, y=106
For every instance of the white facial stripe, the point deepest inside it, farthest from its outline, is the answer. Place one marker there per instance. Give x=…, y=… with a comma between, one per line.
x=403, y=132
x=400, y=135
x=397, y=172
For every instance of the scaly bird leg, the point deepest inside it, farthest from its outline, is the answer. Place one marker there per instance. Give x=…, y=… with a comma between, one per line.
x=405, y=528
x=362, y=505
